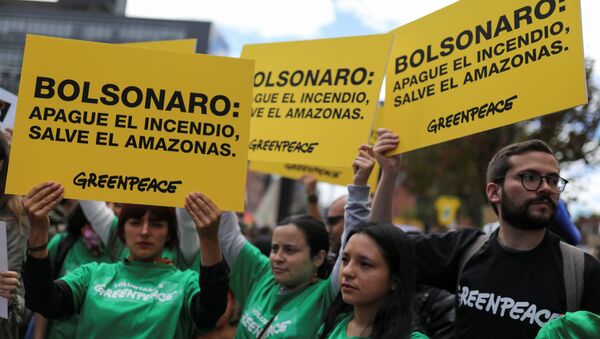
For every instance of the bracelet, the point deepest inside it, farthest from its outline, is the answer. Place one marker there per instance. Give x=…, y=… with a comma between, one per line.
x=38, y=248
x=312, y=199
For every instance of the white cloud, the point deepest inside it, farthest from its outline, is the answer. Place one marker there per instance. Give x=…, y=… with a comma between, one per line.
x=266, y=18
x=591, y=27
x=385, y=15
x=582, y=190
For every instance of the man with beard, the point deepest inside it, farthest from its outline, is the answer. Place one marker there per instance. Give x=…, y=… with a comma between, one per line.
x=522, y=276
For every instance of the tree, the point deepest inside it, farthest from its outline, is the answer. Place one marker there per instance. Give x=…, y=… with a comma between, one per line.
x=572, y=133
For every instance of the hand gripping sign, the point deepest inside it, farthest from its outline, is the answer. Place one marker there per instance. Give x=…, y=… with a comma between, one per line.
x=478, y=65
x=126, y=124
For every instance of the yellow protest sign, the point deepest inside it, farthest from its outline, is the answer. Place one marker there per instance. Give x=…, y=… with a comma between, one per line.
x=447, y=208
x=314, y=100
x=181, y=45
x=338, y=176
x=334, y=175
x=477, y=65
x=136, y=125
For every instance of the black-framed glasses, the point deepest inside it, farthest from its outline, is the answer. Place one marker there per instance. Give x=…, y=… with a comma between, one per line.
x=334, y=219
x=532, y=181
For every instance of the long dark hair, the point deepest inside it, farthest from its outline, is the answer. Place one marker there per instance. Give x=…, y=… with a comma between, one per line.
x=393, y=318
x=75, y=221
x=316, y=237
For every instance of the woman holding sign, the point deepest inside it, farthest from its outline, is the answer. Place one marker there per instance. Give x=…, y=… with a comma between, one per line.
x=148, y=296
x=377, y=286
x=377, y=273
x=285, y=295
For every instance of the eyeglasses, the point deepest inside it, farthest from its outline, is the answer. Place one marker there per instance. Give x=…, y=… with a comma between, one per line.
x=532, y=181
x=334, y=220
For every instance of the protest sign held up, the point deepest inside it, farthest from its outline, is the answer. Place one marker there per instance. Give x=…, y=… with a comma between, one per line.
x=474, y=66
x=333, y=175
x=314, y=100
x=135, y=124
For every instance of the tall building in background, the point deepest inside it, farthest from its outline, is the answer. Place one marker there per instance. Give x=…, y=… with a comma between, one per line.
x=92, y=20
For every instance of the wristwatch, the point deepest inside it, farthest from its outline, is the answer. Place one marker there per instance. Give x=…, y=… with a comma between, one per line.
x=312, y=199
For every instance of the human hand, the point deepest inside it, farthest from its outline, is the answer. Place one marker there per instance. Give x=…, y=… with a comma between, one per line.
x=310, y=184
x=386, y=142
x=9, y=284
x=205, y=214
x=363, y=165
x=39, y=202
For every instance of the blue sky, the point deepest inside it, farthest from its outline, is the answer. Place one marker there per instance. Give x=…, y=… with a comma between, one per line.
x=246, y=22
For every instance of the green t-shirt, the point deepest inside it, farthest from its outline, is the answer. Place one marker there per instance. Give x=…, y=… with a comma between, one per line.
x=77, y=255
x=297, y=314
x=339, y=332
x=572, y=325
x=132, y=299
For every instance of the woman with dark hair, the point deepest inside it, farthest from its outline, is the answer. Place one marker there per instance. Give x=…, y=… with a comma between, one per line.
x=141, y=296
x=104, y=222
x=378, y=269
x=286, y=294
x=377, y=279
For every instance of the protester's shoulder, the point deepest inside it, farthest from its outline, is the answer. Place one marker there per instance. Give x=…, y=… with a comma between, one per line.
x=418, y=335
x=94, y=266
x=251, y=252
x=186, y=275
x=85, y=272
x=55, y=240
x=580, y=324
x=591, y=264
x=470, y=232
x=464, y=236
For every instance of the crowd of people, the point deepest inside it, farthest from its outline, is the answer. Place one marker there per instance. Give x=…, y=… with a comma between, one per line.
x=137, y=271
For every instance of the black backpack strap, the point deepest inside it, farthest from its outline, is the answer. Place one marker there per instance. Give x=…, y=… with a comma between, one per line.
x=471, y=250
x=66, y=243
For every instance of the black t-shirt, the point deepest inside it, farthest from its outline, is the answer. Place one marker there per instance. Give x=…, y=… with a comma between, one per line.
x=502, y=293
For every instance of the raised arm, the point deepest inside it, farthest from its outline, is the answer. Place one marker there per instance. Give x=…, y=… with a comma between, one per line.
x=357, y=206
x=52, y=299
x=310, y=187
x=188, y=238
x=231, y=238
x=390, y=167
x=210, y=303
x=100, y=216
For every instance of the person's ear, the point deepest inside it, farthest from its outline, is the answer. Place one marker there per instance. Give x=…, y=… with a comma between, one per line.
x=493, y=192
x=319, y=259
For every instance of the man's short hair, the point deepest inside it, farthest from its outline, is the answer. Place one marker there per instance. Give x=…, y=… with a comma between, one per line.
x=499, y=164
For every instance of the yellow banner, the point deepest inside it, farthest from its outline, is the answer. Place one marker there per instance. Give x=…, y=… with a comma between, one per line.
x=134, y=125
x=334, y=175
x=314, y=100
x=477, y=65
x=338, y=176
